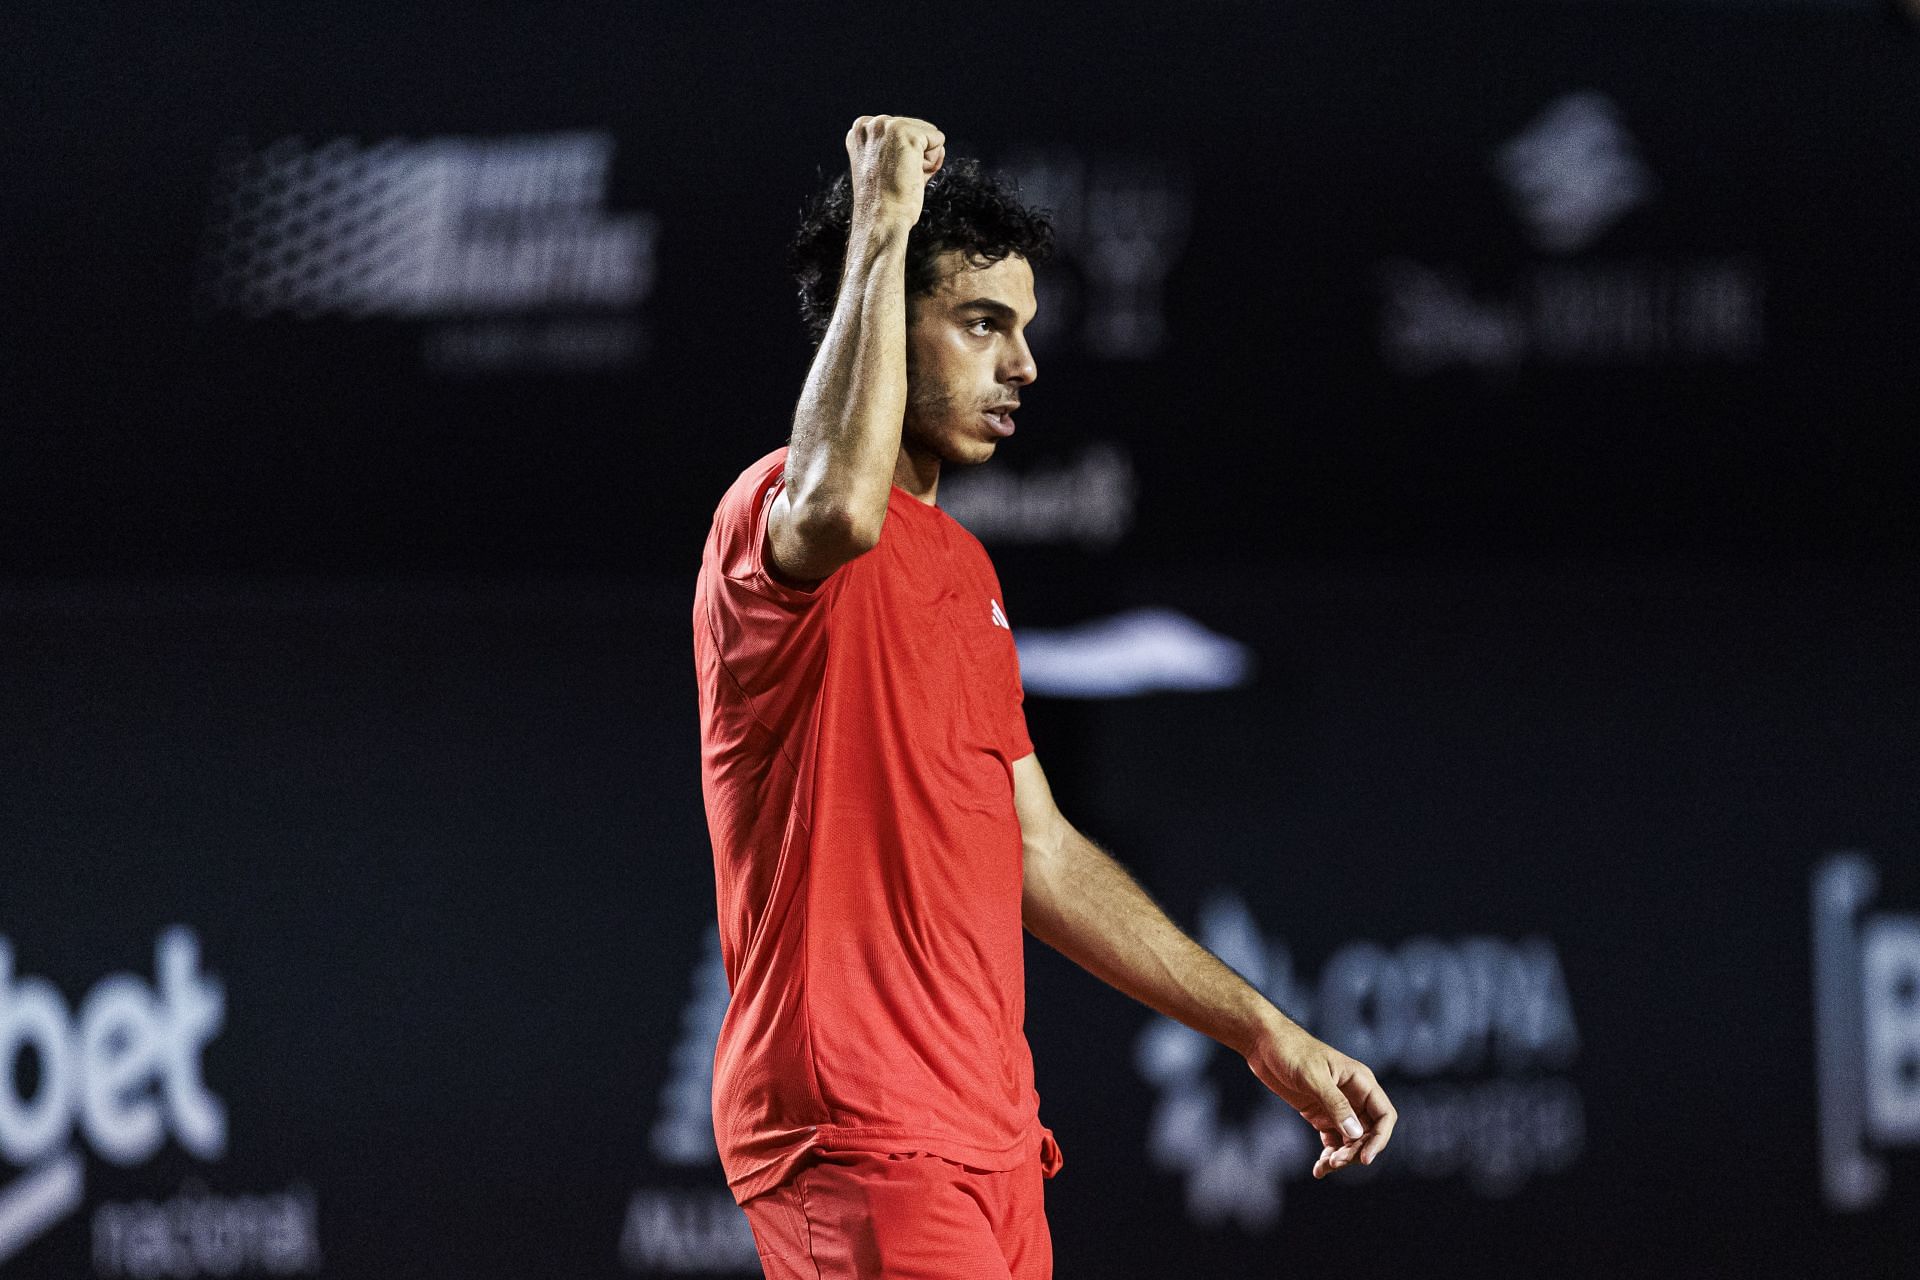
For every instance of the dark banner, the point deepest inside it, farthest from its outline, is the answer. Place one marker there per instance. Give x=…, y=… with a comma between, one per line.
x=382, y=290
x=1460, y=548
x=367, y=931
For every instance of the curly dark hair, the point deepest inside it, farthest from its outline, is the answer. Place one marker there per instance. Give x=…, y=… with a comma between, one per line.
x=964, y=208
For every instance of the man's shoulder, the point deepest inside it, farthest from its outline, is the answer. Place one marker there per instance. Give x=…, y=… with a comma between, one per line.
x=738, y=505
x=736, y=543
x=732, y=522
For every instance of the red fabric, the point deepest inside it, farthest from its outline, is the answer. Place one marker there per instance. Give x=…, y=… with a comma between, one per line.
x=857, y=747
x=905, y=1216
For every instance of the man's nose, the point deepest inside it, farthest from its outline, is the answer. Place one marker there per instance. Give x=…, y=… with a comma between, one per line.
x=1023, y=369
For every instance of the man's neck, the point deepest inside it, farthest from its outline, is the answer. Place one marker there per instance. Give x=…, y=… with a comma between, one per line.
x=918, y=473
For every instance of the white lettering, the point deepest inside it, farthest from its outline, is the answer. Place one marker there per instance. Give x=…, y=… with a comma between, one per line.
x=1890, y=990
x=446, y=227
x=197, y=1233
x=1592, y=313
x=195, y=1008
x=1089, y=501
x=102, y=1072
x=686, y=1231
x=33, y=1016
x=1427, y=1007
x=1431, y=1006
x=683, y=1133
x=119, y=1042
x=1441, y=1009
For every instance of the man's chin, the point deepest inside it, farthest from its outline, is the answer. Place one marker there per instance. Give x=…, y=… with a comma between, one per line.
x=956, y=448
x=969, y=452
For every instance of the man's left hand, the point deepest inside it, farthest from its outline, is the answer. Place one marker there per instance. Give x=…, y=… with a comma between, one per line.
x=1335, y=1094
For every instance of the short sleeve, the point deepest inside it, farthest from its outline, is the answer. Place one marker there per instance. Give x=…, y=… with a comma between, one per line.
x=1013, y=721
x=740, y=527
x=766, y=636
x=1018, y=742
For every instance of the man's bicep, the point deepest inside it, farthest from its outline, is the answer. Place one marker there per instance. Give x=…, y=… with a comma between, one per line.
x=1041, y=824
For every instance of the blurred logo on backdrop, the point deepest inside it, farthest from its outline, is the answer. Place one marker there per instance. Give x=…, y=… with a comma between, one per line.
x=1866, y=990
x=1574, y=173
x=671, y=1230
x=1469, y=1035
x=503, y=246
x=1571, y=176
x=1129, y=654
x=1085, y=501
x=119, y=1075
x=1120, y=225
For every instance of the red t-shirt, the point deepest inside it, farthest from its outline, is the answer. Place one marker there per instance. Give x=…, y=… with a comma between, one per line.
x=857, y=743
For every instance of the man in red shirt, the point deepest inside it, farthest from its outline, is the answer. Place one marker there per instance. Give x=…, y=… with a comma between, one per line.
x=882, y=830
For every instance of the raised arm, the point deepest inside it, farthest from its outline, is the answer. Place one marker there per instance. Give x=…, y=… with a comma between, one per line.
x=1083, y=904
x=846, y=429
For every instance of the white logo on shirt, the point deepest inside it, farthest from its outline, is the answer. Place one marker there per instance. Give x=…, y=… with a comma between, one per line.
x=999, y=618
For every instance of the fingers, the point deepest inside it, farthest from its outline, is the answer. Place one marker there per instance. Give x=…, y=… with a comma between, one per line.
x=1357, y=1121
x=1372, y=1103
x=1334, y=1155
x=1339, y=1112
x=1337, y=1095
x=1330, y=1145
x=891, y=159
x=1339, y=1128
x=908, y=131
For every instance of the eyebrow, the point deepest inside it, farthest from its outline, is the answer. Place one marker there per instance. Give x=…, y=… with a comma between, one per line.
x=989, y=305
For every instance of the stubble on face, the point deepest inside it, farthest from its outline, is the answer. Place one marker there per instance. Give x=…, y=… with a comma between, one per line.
x=929, y=404
x=945, y=391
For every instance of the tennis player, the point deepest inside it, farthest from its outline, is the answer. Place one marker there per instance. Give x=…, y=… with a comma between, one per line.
x=882, y=829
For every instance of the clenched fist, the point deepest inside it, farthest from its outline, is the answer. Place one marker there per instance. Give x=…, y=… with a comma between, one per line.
x=891, y=158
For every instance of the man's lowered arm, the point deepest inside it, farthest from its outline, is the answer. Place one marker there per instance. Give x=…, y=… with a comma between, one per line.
x=1083, y=904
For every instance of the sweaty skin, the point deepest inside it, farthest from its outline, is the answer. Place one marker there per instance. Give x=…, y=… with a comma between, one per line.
x=847, y=428
x=900, y=387
x=1078, y=900
x=967, y=359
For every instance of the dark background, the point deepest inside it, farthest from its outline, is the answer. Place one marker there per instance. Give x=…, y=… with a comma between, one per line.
x=376, y=673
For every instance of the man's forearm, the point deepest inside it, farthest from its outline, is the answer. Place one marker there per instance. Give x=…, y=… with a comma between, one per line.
x=1085, y=905
x=846, y=428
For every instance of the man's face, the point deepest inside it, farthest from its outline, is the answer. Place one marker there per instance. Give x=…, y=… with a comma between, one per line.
x=967, y=357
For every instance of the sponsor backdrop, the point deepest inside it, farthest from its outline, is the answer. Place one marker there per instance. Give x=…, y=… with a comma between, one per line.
x=1460, y=547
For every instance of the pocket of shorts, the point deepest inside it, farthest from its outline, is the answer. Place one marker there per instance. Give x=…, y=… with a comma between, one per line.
x=779, y=1225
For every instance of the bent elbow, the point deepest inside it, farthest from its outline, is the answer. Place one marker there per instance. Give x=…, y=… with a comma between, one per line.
x=839, y=532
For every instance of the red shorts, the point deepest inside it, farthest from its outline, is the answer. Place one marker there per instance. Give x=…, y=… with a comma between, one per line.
x=860, y=1215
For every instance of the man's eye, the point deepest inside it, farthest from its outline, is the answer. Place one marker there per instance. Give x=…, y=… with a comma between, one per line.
x=983, y=327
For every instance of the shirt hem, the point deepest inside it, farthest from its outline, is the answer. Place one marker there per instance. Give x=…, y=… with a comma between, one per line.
x=892, y=1138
